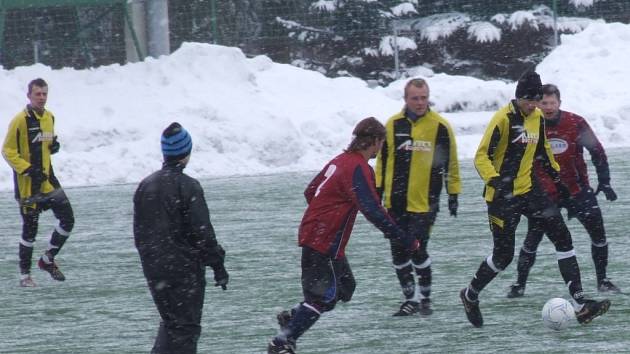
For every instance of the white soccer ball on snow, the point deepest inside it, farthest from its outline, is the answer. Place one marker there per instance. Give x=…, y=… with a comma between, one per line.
x=558, y=314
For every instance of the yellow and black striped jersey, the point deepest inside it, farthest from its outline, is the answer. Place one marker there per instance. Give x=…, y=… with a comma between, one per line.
x=509, y=147
x=416, y=159
x=28, y=143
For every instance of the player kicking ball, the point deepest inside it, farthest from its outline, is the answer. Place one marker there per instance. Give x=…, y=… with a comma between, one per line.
x=513, y=141
x=343, y=187
x=571, y=135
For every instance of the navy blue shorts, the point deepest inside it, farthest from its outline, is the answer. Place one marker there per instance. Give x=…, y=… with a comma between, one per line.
x=325, y=280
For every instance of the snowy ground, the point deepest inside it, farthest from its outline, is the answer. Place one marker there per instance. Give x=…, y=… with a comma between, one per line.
x=253, y=116
x=105, y=307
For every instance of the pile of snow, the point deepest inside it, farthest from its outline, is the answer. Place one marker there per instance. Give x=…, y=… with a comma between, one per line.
x=246, y=116
x=253, y=116
x=591, y=70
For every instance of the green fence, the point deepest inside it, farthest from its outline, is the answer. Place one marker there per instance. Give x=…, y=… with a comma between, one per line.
x=337, y=37
x=344, y=37
x=62, y=33
x=615, y=10
x=257, y=26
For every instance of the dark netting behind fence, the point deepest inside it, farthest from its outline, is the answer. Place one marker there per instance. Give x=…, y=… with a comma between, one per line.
x=355, y=37
x=63, y=36
x=360, y=38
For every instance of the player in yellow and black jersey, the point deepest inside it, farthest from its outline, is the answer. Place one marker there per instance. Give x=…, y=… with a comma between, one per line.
x=27, y=148
x=419, y=156
x=514, y=138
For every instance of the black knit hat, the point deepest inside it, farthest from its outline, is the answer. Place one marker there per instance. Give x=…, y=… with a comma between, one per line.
x=529, y=86
x=176, y=142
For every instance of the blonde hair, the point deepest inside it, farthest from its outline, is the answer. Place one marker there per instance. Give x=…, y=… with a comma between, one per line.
x=415, y=83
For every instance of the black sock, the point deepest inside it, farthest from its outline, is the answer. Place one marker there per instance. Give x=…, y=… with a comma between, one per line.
x=57, y=240
x=571, y=274
x=471, y=293
x=483, y=277
x=406, y=280
x=525, y=262
x=424, y=281
x=26, y=256
x=600, y=259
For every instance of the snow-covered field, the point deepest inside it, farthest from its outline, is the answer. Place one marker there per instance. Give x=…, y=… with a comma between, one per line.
x=105, y=307
x=253, y=116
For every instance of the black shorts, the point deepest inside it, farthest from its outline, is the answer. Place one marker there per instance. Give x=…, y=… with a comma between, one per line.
x=55, y=200
x=504, y=215
x=582, y=204
x=325, y=280
x=419, y=226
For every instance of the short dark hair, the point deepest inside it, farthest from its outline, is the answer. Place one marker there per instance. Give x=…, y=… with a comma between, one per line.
x=415, y=83
x=551, y=89
x=39, y=82
x=365, y=134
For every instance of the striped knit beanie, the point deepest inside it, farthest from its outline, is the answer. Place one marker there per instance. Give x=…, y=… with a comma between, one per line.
x=176, y=143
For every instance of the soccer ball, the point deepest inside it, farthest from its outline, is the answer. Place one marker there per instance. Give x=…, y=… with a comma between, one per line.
x=558, y=314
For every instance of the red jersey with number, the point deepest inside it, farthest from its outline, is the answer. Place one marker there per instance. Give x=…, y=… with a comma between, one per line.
x=345, y=186
x=569, y=135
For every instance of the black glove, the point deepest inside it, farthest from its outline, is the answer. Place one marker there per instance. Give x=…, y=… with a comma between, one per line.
x=608, y=191
x=498, y=185
x=221, y=276
x=54, y=146
x=37, y=176
x=453, y=204
x=571, y=211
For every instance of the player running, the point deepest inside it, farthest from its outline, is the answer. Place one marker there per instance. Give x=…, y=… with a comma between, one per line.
x=513, y=140
x=343, y=187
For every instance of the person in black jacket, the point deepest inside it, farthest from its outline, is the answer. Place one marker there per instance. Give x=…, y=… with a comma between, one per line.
x=176, y=241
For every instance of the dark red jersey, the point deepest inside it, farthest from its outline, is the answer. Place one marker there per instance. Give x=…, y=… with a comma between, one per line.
x=345, y=186
x=569, y=135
